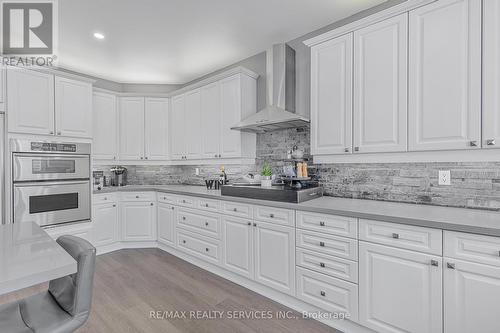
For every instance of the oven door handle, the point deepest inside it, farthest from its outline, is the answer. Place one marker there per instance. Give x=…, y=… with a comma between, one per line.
x=46, y=183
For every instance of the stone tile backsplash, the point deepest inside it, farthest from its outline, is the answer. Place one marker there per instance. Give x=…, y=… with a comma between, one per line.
x=474, y=185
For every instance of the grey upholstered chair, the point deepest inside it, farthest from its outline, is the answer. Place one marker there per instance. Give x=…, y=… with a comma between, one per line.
x=65, y=306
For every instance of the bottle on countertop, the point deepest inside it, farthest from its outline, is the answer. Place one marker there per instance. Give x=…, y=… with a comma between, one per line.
x=305, y=173
x=300, y=169
x=223, y=176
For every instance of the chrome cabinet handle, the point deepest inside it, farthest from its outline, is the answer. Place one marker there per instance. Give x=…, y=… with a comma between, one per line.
x=434, y=263
x=490, y=142
x=450, y=265
x=473, y=143
x=322, y=224
x=322, y=244
x=322, y=293
x=322, y=264
x=395, y=236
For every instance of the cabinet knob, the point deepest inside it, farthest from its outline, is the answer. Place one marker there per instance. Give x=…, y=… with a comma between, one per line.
x=248, y=223
x=215, y=155
x=322, y=264
x=206, y=205
x=450, y=265
x=183, y=218
x=206, y=249
x=114, y=205
x=356, y=148
x=473, y=143
x=172, y=208
x=271, y=216
x=395, y=236
x=491, y=142
x=114, y=157
x=184, y=242
x=142, y=158
x=235, y=209
x=255, y=224
x=322, y=244
x=206, y=224
x=322, y=293
x=183, y=201
x=346, y=150
x=146, y=158
x=220, y=155
x=152, y=204
x=105, y=198
x=322, y=223
x=51, y=132
x=434, y=263
x=58, y=133
x=137, y=197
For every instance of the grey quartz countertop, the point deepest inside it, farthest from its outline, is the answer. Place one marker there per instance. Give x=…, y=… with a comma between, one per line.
x=447, y=218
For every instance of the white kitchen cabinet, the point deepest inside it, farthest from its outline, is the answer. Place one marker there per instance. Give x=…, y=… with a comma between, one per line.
x=445, y=76
x=192, y=123
x=30, y=96
x=166, y=224
x=231, y=114
x=2, y=89
x=138, y=220
x=380, y=86
x=399, y=290
x=156, y=128
x=274, y=252
x=471, y=294
x=491, y=74
x=177, y=126
x=238, y=246
x=105, y=131
x=73, y=108
x=131, y=129
x=105, y=224
x=331, y=96
x=211, y=120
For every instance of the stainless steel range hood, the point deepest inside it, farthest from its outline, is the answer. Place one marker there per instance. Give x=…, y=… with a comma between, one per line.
x=280, y=110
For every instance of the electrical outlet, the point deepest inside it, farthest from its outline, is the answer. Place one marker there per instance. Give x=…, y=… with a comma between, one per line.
x=444, y=177
x=197, y=171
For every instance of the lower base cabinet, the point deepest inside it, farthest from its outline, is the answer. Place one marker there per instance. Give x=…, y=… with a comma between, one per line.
x=471, y=295
x=166, y=224
x=399, y=290
x=138, y=221
x=105, y=224
x=237, y=246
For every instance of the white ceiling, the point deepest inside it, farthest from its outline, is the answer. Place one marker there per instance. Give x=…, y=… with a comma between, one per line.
x=176, y=41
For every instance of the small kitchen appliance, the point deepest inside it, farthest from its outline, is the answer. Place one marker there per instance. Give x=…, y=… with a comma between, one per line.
x=118, y=176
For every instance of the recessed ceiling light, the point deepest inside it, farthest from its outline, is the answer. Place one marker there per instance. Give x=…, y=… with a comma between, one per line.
x=98, y=35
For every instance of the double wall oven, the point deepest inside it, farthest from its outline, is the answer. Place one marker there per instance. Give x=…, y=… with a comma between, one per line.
x=50, y=182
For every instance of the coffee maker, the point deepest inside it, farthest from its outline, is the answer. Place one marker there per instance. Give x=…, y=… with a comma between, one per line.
x=118, y=176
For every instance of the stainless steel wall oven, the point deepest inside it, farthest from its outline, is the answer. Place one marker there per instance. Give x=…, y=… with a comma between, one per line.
x=50, y=182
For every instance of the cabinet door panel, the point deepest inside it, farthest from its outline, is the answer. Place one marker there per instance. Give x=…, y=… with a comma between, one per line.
x=73, y=108
x=166, y=224
x=471, y=294
x=177, y=127
x=237, y=246
x=231, y=104
x=380, y=86
x=156, y=128
x=192, y=134
x=131, y=128
x=105, y=132
x=211, y=120
x=445, y=76
x=138, y=221
x=105, y=227
x=2, y=89
x=399, y=290
x=331, y=96
x=275, y=257
x=491, y=74
x=31, y=102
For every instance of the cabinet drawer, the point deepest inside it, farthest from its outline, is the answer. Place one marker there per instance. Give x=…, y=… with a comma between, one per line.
x=274, y=215
x=186, y=201
x=336, y=267
x=208, y=205
x=330, y=294
x=199, y=246
x=105, y=198
x=138, y=196
x=328, y=244
x=237, y=209
x=476, y=248
x=421, y=239
x=330, y=224
x=206, y=224
x=166, y=198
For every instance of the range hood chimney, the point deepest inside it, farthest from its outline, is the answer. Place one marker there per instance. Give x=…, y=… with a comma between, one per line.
x=280, y=110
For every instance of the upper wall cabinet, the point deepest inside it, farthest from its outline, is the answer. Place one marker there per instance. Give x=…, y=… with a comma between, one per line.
x=331, y=96
x=156, y=128
x=2, y=89
x=40, y=103
x=445, y=76
x=201, y=120
x=105, y=129
x=380, y=86
x=491, y=74
x=131, y=130
x=30, y=96
x=73, y=108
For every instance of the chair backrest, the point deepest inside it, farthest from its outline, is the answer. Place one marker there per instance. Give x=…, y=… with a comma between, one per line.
x=74, y=292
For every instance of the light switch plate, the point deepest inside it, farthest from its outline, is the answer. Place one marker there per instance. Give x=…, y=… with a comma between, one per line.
x=197, y=171
x=444, y=177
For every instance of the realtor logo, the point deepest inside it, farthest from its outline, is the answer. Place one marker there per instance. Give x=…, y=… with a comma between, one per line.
x=27, y=28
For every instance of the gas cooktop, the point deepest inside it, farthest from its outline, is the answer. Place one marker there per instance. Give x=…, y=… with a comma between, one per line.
x=282, y=193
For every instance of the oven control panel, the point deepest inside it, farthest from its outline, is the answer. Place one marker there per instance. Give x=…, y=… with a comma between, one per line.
x=53, y=147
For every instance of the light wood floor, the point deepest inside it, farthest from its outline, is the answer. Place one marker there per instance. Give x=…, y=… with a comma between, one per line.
x=131, y=283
